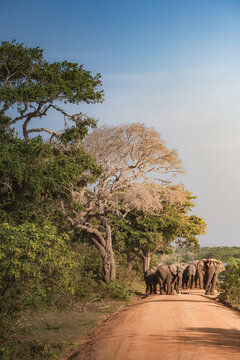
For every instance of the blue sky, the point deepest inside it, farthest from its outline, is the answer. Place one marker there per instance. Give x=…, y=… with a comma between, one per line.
x=173, y=65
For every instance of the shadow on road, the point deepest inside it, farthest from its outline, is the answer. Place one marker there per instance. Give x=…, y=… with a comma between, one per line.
x=174, y=300
x=209, y=337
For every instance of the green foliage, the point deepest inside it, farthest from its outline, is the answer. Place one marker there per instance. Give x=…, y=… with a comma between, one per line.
x=30, y=350
x=118, y=291
x=230, y=284
x=87, y=274
x=35, y=266
x=143, y=233
x=34, y=173
x=31, y=85
x=223, y=253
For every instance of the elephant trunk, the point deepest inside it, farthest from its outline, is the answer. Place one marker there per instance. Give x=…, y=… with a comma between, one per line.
x=210, y=275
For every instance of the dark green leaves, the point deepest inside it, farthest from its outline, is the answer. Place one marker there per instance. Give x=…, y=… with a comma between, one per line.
x=34, y=173
x=32, y=86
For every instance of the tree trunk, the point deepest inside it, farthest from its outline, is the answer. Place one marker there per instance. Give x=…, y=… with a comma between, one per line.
x=103, y=244
x=130, y=258
x=105, y=249
x=109, y=268
x=107, y=255
x=146, y=261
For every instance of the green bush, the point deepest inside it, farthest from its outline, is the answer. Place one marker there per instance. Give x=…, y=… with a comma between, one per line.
x=118, y=291
x=86, y=276
x=36, y=265
x=230, y=284
x=30, y=350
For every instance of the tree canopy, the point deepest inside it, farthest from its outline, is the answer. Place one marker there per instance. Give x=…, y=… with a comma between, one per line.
x=137, y=168
x=31, y=86
x=144, y=235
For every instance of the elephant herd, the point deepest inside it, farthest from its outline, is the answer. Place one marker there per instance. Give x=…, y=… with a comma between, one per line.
x=202, y=273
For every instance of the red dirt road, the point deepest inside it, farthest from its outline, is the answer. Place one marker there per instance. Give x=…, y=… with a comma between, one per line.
x=179, y=327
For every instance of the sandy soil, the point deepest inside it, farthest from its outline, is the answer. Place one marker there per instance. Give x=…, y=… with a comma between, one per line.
x=179, y=327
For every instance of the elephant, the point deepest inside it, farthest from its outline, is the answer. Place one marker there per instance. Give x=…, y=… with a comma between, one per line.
x=189, y=276
x=151, y=280
x=201, y=273
x=169, y=277
x=180, y=271
x=213, y=268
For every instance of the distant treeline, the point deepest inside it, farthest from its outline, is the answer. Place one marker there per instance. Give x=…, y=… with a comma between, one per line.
x=224, y=253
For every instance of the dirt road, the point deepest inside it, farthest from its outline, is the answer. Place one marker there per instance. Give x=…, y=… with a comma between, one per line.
x=179, y=327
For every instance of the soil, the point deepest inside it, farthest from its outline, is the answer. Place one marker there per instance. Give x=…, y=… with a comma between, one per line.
x=186, y=326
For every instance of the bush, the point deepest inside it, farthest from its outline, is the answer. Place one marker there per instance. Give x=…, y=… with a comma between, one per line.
x=30, y=350
x=35, y=266
x=87, y=274
x=118, y=291
x=230, y=284
x=35, y=269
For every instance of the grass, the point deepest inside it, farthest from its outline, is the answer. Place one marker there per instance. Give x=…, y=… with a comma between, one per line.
x=63, y=329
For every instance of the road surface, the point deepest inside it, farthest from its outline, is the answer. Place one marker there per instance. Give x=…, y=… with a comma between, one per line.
x=187, y=326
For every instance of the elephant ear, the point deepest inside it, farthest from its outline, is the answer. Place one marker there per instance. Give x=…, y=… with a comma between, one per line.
x=174, y=269
x=220, y=266
x=201, y=264
x=194, y=270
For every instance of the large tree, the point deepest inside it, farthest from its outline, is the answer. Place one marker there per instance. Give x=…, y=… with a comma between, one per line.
x=33, y=173
x=129, y=155
x=142, y=234
x=30, y=86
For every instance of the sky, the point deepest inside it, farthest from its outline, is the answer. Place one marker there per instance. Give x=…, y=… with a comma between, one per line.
x=171, y=64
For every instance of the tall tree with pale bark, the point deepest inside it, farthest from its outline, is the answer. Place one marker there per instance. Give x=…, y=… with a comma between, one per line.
x=137, y=166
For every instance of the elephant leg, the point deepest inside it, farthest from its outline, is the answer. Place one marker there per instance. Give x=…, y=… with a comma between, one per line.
x=214, y=282
x=169, y=288
x=150, y=288
x=210, y=278
x=165, y=286
x=184, y=283
x=200, y=276
x=155, y=288
x=177, y=286
x=162, y=290
x=174, y=285
x=191, y=281
x=207, y=289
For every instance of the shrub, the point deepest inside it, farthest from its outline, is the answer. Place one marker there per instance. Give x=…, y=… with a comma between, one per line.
x=230, y=284
x=118, y=291
x=35, y=269
x=35, y=265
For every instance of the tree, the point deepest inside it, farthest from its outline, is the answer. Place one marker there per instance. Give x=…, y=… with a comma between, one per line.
x=31, y=86
x=143, y=235
x=33, y=174
x=128, y=155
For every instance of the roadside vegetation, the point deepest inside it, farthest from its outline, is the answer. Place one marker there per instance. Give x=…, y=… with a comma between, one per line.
x=83, y=211
x=230, y=284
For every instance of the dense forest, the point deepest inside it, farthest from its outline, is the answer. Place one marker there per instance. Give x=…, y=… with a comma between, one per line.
x=85, y=210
